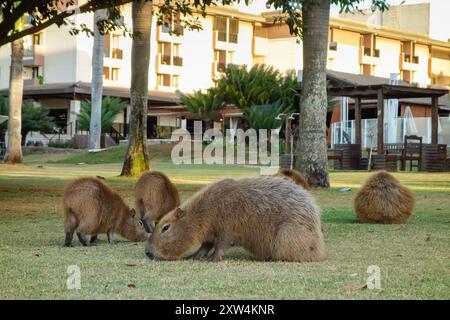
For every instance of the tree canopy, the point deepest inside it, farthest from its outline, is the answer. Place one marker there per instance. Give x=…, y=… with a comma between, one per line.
x=41, y=14
x=111, y=107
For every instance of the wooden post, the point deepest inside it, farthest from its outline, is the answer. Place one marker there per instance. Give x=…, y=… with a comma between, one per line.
x=358, y=120
x=380, y=119
x=434, y=120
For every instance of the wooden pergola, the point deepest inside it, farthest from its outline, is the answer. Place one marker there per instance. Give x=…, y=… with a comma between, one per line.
x=380, y=92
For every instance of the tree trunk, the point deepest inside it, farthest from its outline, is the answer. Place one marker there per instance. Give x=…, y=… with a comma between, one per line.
x=312, y=146
x=14, y=149
x=136, y=158
x=98, y=53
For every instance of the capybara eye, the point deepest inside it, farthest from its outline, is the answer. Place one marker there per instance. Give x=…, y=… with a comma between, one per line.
x=140, y=223
x=165, y=228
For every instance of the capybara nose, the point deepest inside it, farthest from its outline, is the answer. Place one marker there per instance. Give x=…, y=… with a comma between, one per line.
x=149, y=253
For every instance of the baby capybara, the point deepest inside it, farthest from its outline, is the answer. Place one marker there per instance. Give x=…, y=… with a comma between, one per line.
x=270, y=217
x=91, y=208
x=294, y=176
x=383, y=199
x=156, y=195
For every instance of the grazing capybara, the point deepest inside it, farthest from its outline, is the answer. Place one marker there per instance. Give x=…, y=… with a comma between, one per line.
x=156, y=195
x=294, y=176
x=383, y=199
x=270, y=217
x=91, y=208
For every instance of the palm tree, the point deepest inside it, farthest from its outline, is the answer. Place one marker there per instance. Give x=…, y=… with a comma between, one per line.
x=98, y=53
x=206, y=105
x=312, y=145
x=111, y=107
x=136, y=157
x=14, y=148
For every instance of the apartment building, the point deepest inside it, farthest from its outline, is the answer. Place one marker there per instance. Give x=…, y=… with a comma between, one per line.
x=57, y=66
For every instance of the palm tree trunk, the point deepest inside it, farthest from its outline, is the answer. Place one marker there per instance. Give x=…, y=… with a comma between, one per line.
x=98, y=53
x=14, y=149
x=136, y=158
x=312, y=146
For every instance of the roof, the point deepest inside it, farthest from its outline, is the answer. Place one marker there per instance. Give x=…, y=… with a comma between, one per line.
x=389, y=91
x=351, y=79
x=84, y=88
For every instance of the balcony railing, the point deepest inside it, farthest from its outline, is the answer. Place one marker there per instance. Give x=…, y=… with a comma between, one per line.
x=171, y=61
x=410, y=59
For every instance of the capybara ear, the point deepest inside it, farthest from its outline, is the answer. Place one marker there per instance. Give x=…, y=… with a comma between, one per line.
x=133, y=212
x=179, y=213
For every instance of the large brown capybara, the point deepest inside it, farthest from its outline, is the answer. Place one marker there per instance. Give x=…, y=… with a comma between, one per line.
x=294, y=176
x=383, y=199
x=270, y=217
x=155, y=195
x=91, y=208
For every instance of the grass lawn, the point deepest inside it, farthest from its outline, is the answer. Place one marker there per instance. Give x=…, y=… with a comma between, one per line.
x=414, y=259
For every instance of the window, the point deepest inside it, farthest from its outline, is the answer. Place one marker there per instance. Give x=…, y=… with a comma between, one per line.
x=170, y=54
x=167, y=80
x=333, y=46
x=37, y=38
x=227, y=29
x=111, y=43
x=115, y=74
x=106, y=73
x=111, y=74
x=222, y=58
x=172, y=24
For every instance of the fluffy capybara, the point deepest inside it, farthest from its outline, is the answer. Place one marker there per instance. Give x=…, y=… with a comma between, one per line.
x=91, y=208
x=156, y=195
x=383, y=199
x=294, y=176
x=270, y=217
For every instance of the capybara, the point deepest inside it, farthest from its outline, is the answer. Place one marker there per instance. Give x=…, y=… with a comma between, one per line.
x=294, y=176
x=270, y=217
x=156, y=195
x=91, y=208
x=383, y=199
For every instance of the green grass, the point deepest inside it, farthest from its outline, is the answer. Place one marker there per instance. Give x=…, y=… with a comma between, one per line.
x=414, y=259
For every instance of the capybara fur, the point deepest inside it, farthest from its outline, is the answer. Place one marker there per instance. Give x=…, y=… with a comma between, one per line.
x=156, y=195
x=91, y=208
x=383, y=199
x=270, y=217
x=294, y=176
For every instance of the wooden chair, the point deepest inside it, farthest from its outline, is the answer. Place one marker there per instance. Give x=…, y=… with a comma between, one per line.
x=412, y=152
x=394, y=152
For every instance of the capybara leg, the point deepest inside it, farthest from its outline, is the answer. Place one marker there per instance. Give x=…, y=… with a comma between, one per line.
x=203, y=252
x=68, y=240
x=299, y=242
x=219, y=251
x=94, y=239
x=70, y=224
x=84, y=241
x=111, y=238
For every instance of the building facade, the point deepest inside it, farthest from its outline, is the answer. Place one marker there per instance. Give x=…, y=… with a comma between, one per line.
x=57, y=65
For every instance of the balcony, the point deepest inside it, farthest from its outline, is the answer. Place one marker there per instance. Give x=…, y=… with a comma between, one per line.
x=163, y=35
x=33, y=55
x=260, y=46
x=169, y=64
x=117, y=53
x=369, y=56
x=220, y=41
x=409, y=62
x=31, y=82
